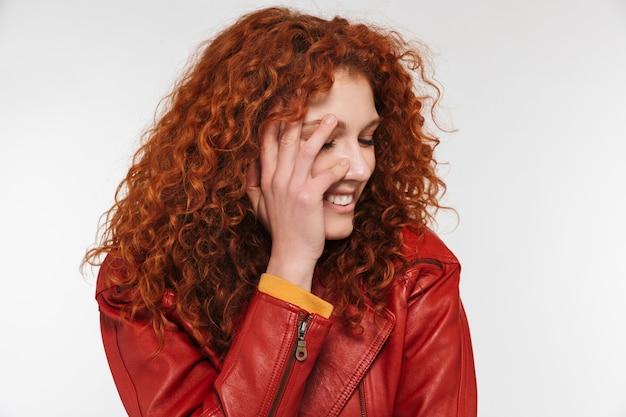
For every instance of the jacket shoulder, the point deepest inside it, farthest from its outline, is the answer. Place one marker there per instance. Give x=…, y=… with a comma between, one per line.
x=427, y=263
x=423, y=243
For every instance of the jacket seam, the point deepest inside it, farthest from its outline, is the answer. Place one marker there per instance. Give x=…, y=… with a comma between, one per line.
x=362, y=367
x=429, y=261
x=465, y=339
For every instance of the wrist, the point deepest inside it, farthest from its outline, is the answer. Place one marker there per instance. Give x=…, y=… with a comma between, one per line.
x=299, y=273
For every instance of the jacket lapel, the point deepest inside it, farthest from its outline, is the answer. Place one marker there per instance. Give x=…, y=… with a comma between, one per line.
x=342, y=363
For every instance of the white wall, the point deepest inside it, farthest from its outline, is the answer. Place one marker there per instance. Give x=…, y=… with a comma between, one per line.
x=536, y=88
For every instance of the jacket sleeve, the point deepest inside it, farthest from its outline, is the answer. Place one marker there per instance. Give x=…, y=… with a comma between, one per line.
x=438, y=376
x=259, y=375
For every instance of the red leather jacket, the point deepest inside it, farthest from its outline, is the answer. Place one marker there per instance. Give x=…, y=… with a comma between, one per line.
x=414, y=359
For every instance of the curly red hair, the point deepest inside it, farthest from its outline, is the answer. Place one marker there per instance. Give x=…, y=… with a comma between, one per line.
x=182, y=220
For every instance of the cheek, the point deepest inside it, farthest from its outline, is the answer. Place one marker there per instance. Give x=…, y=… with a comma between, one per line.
x=370, y=159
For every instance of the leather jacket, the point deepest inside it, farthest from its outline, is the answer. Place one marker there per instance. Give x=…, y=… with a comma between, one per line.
x=413, y=359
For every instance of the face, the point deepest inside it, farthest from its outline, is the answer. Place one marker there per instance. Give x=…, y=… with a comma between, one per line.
x=351, y=100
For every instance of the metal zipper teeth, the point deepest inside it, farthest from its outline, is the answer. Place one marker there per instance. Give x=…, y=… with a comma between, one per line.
x=361, y=399
x=420, y=261
x=291, y=360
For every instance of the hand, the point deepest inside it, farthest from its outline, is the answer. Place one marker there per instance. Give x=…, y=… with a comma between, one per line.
x=288, y=200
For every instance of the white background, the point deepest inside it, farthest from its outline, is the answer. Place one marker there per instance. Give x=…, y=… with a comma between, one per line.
x=535, y=88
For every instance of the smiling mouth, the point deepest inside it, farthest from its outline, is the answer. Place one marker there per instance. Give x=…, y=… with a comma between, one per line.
x=340, y=200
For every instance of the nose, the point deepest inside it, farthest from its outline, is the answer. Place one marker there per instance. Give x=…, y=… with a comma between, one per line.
x=362, y=161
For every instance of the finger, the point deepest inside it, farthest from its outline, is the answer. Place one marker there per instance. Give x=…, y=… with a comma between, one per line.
x=323, y=181
x=308, y=150
x=288, y=147
x=269, y=152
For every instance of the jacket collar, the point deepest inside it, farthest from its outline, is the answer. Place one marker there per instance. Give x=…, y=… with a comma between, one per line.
x=343, y=361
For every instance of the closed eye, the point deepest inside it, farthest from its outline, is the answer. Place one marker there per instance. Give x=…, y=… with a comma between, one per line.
x=329, y=144
x=366, y=142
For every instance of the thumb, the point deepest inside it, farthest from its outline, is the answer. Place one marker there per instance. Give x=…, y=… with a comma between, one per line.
x=340, y=170
x=330, y=176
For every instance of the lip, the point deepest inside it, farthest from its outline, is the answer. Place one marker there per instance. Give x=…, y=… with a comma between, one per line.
x=339, y=209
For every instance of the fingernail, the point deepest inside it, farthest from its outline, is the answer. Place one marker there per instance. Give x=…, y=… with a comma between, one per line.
x=330, y=119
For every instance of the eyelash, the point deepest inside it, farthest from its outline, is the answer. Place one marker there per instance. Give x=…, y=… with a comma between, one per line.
x=329, y=144
x=364, y=142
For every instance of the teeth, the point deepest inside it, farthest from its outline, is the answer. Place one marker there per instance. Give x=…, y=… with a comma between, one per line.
x=340, y=200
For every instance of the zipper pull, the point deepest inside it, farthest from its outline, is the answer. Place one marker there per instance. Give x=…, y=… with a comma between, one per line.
x=301, y=353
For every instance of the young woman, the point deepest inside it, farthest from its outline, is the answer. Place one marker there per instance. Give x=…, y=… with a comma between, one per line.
x=268, y=253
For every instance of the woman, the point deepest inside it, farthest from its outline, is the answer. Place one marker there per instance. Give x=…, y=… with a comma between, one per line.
x=268, y=253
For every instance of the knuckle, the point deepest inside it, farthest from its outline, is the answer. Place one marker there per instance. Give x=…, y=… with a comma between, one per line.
x=304, y=199
x=307, y=154
x=287, y=139
x=279, y=182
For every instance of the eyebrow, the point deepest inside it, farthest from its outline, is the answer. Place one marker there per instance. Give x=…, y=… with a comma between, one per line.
x=341, y=124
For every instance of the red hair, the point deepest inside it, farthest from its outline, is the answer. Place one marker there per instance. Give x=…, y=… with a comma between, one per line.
x=182, y=219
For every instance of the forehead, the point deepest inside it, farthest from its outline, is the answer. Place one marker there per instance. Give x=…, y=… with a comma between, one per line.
x=350, y=98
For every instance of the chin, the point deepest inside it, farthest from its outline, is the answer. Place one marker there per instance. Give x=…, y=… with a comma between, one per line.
x=338, y=233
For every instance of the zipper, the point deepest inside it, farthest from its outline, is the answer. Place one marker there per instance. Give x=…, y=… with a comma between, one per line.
x=420, y=261
x=362, y=399
x=299, y=354
x=303, y=326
